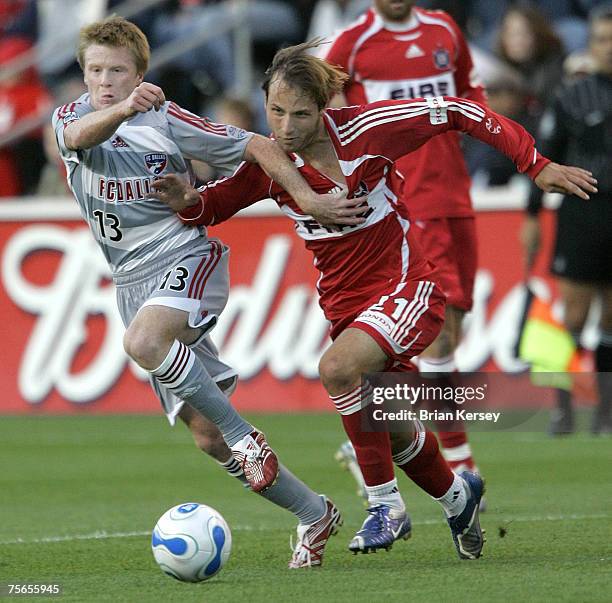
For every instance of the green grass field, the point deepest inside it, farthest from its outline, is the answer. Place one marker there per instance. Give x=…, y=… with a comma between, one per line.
x=79, y=496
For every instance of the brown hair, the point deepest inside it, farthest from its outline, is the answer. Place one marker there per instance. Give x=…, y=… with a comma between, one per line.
x=119, y=33
x=302, y=70
x=547, y=43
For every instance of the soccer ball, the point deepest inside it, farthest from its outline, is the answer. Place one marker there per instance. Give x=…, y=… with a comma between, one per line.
x=191, y=542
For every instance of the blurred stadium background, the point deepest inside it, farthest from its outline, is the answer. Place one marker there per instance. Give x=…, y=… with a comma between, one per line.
x=80, y=493
x=62, y=349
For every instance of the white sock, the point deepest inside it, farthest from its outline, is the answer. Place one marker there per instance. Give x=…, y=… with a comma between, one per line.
x=386, y=494
x=454, y=501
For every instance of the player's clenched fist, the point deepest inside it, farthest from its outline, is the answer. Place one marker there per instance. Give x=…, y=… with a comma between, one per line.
x=144, y=97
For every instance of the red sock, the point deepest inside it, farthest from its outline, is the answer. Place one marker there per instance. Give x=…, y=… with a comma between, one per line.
x=457, y=451
x=424, y=464
x=373, y=449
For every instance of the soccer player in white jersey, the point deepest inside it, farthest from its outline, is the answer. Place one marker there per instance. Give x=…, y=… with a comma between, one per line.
x=172, y=281
x=376, y=288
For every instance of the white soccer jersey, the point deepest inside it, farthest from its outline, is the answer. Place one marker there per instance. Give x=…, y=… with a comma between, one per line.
x=112, y=181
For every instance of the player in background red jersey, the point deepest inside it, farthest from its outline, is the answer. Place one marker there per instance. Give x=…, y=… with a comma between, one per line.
x=375, y=286
x=400, y=51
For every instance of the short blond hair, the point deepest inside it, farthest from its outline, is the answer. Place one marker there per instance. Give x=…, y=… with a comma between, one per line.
x=116, y=32
x=300, y=69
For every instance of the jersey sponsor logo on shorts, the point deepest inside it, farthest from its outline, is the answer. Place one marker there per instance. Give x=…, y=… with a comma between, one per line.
x=377, y=318
x=441, y=58
x=156, y=162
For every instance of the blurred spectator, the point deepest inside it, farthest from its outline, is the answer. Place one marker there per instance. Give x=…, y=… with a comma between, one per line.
x=18, y=18
x=527, y=43
x=578, y=64
x=21, y=96
x=205, y=71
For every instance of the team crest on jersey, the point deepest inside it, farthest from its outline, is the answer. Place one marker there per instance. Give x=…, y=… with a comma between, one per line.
x=493, y=126
x=441, y=58
x=237, y=133
x=156, y=162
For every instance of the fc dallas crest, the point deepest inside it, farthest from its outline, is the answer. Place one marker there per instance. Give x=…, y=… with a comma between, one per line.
x=156, y=162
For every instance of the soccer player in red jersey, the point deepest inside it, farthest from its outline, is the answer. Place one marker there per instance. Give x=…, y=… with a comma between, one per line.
x=375, y=286
x=399, y=51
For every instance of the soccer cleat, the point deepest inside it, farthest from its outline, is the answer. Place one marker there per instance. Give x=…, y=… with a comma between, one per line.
x=460, y=468
x=381, y=529
x=465, y=527
x=311, y=539
x=257, y=460
x=345, y=455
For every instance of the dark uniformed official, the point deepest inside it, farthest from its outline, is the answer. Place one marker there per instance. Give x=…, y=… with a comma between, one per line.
x=577, y=129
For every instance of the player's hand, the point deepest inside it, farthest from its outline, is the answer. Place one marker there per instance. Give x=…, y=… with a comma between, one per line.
x=177, y=194
x=531, y=238
x=334, y=209
x=144, y=97
x=556, y=178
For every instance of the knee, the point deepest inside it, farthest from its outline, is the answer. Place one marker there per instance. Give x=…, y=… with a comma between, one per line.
x=339, y=374
x=143, y=346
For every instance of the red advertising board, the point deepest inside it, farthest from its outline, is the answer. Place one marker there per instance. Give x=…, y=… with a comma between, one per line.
x=62, y=337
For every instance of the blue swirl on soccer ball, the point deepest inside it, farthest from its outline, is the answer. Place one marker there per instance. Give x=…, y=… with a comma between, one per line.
x=218, y=536
x=187, y=507
x=177, y=546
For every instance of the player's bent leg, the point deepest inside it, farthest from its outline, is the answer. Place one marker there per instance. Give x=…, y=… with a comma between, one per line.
x=341, y=368
x=151, y=338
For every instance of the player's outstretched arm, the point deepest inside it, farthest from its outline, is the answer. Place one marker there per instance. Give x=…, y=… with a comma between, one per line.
x=328, y=210
x=96, y=127
x=214, y=202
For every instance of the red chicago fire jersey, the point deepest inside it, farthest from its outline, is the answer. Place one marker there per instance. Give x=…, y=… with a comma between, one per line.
x=427, y=57
x=356, y=262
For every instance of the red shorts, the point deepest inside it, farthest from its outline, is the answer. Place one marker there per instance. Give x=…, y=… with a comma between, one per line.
x=403, y=321
x=450, y=244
